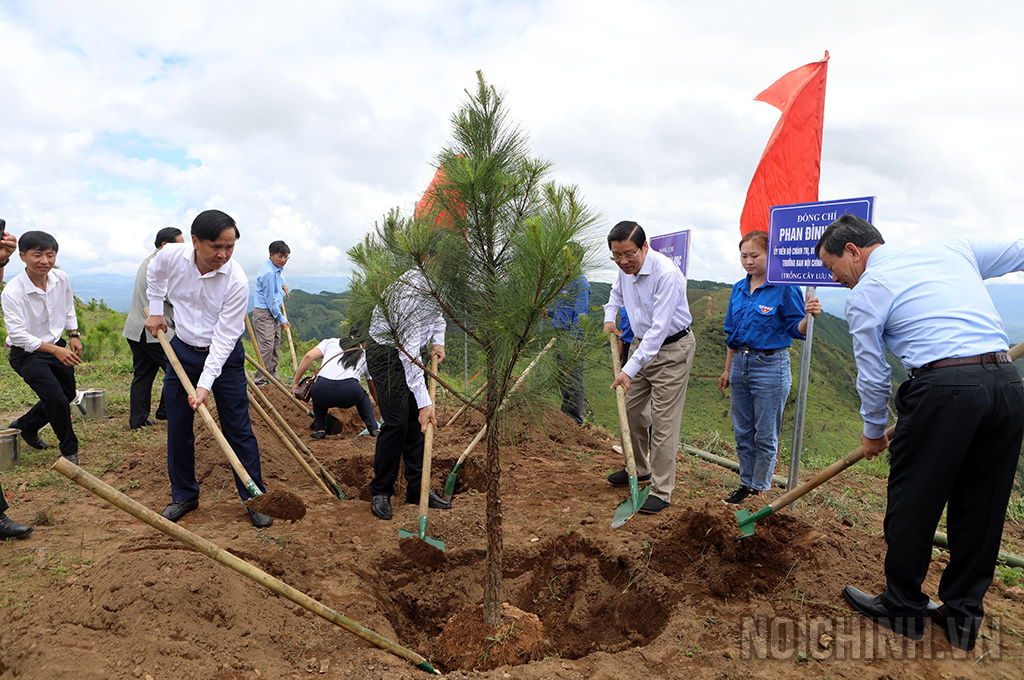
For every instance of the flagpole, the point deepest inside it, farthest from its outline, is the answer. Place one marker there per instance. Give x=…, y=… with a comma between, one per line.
x=801, y=402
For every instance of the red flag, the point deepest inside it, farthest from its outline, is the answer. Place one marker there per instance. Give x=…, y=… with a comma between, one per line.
x=427, y=206
x=790, y=166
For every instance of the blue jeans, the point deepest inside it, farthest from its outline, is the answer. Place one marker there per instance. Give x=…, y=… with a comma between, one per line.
x=760, y=386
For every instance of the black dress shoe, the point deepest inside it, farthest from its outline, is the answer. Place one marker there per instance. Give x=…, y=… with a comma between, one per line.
x=319, y=434
x=871, y=607
x=621, y=478
x=149, y=422
x=178, y=509
x=962, y=633
x=11, y=529
x=433, y=501
x=31, y=438
x=380, y=506
x=259, y=520
x=72, y=458
x=160, y=415
x=653, y=505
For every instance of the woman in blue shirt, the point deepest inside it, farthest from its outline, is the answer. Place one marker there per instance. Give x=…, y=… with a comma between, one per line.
x=760, y=325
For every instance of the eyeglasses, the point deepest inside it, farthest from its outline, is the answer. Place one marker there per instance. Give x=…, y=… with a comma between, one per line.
x=625, y=256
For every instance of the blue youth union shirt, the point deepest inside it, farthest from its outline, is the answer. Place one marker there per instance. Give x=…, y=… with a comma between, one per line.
x=766, y=319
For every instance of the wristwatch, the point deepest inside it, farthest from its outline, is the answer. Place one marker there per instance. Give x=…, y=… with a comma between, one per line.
x=74, y=335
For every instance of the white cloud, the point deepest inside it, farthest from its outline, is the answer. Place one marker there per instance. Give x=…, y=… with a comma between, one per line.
x=309, y=120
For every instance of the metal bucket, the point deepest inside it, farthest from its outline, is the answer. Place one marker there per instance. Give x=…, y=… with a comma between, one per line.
x=92, y=404
x=9, y=439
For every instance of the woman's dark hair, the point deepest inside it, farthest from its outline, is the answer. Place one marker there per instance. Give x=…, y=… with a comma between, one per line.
x=760, y=238
x=210, y=224
x=352, y=352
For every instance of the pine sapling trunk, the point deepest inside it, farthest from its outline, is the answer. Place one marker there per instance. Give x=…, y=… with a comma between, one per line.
x=492, y=573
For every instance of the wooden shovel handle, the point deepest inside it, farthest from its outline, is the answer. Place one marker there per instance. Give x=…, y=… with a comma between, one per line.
x=428, y=443
x=620, y=402
x=236, y=464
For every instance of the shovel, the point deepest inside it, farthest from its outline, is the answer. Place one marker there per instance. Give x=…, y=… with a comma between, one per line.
x=428, y=445
x=746, y=520
x=291, y=343
x=631, y=505
x=283, y=504
x=333, y=424
x=449, y=485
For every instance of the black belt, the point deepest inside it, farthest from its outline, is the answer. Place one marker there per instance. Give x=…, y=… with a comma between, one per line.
x=976, y=360
x=672, y=338
x=204, y=350
x=766, y=352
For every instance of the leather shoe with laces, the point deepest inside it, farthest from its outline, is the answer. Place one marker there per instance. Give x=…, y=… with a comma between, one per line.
x=178, y=509
x=31, y=438
x=621, y=478
x=433, y=501
x=11, y=529
x=872, y=607
x=259, y=520
x=962, y=632
x=380, y=506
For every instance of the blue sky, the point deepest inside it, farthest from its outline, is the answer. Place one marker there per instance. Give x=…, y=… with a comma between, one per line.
x=308, y=121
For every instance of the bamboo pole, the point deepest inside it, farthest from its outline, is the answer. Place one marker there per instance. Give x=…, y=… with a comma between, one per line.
x=466, y=405
x=212, y=550
x=287, y=429
x=283, y=437
x=303, y=407
x=255, y=345
x=291, y=343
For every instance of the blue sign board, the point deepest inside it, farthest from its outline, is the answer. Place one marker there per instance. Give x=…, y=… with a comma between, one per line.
x=793, y=232
x=675, y=247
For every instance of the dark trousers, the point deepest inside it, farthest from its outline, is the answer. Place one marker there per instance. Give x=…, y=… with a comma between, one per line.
x=342, y=394
x=229, y=389
x=957, y=441
x=147, y=359
x=400, y=438
x=3, y=501
x=570, y=384
x=54, y=384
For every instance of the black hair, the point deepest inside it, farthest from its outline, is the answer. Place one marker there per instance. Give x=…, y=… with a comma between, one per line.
x=280, y=248
x=627, y=231
x=36, y=240
x=352, y=352
x=847, y=229
x=210, y=224
x=166, y=235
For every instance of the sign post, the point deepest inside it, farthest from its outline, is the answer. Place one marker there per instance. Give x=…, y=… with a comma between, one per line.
x=793, y=232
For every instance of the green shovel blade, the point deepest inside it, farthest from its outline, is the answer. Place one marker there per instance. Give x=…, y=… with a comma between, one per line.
x=422, y=534
x=449, y=485
x=631, y=505
x=746, y=520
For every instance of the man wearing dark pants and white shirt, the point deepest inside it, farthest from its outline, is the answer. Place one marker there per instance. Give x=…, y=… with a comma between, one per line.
x=148, y=356
x=8, y=527
x=409, y=320
x=653, y=291
x=960, y=415
x=209, y=293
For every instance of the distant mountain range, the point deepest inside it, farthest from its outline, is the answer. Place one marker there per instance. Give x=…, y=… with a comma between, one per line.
x=116, y=290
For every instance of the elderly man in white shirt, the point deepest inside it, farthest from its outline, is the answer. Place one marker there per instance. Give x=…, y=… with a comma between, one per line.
x=653, y=291
x=409, y=320
x=38, y=307
x=209, y=293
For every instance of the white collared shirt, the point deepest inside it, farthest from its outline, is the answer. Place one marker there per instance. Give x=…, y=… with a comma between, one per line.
x=209, y=309
x=655, y=300
x=333, y=366
x=34, y=316
x=414, y=318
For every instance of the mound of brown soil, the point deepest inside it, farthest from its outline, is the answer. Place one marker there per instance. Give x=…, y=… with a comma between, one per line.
x=467, y=643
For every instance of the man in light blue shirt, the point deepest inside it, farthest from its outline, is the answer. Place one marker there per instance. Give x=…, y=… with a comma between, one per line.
x=961, y=413
x=268, y=318
x=571, y=306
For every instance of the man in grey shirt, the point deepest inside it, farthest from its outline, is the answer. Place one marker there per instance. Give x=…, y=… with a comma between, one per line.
x=147, y=355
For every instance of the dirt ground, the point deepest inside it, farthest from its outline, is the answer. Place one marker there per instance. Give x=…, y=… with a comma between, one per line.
x=674, y=595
